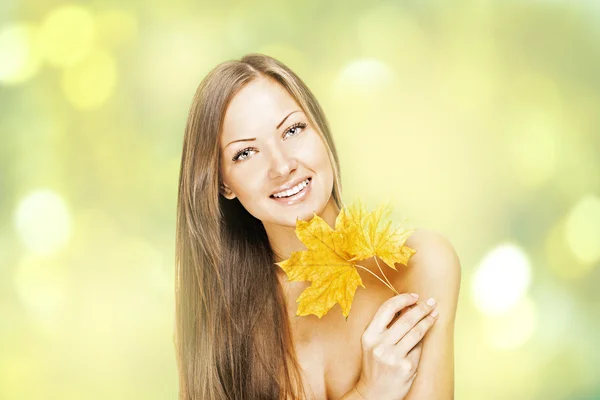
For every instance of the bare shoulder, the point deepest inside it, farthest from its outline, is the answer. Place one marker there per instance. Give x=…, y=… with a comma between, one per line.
x=433, y=271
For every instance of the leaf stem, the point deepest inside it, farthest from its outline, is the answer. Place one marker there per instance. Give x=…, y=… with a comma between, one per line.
x=394, y=290
x=375, y=275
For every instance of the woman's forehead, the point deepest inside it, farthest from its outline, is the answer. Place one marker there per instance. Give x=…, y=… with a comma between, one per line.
x=258, y=107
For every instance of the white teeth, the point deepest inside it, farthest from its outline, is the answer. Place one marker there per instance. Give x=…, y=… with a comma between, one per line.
x=293, y=190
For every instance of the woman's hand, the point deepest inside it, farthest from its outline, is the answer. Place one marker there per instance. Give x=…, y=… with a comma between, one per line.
x=391, y=353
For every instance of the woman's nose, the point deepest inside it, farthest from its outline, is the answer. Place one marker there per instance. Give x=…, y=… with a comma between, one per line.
x=281, y=164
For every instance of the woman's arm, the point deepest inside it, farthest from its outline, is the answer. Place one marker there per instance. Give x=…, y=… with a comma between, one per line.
x=434, y=271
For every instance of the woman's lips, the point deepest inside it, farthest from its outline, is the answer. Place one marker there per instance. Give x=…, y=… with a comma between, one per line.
x=298, y=197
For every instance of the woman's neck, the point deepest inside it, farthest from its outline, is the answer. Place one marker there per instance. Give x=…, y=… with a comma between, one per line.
x=283, y=239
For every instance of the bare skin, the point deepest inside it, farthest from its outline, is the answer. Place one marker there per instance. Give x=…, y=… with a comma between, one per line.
x=329, y=350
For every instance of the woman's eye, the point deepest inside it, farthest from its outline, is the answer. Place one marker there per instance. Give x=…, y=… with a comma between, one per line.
x=295, y=127
x=240, y=153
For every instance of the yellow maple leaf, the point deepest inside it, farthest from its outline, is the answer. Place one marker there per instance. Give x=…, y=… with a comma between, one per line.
x=365, y=239
x=325, y=263
x=330, y=261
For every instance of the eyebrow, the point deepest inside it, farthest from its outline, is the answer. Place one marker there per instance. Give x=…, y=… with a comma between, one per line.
x=252, y=139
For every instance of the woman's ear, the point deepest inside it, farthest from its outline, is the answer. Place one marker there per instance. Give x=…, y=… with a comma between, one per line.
x=226, y=192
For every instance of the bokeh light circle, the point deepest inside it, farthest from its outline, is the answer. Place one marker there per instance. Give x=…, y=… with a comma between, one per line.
x=67, y=34
x=559, y=257
x=19, y=53
x=363, y=80
x=501, y=279
x=90, y=82
x=582, y=229
x=43, y=222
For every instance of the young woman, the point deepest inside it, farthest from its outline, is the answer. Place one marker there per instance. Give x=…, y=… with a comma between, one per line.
x=257, y=154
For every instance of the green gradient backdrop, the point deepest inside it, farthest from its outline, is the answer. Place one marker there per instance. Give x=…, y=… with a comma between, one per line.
x=479, y=118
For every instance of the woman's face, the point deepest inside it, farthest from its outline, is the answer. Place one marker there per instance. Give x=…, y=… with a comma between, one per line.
x=266, y=143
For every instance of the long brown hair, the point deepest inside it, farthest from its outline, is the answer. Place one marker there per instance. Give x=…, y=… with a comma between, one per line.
x=232, y=332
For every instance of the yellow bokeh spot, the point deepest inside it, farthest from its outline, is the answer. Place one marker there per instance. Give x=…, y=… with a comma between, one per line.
x=582, y=229
x=67, y=35
x=115, y=28
x=19, y=52
x=90, y=82
x=559, y=258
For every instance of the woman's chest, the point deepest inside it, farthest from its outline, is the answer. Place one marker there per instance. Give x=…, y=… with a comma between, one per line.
x=330, y=368
x=329, y=350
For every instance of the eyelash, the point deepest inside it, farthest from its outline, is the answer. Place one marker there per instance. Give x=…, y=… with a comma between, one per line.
x=296, y=125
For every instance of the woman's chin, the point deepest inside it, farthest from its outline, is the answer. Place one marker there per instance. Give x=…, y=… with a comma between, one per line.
x=307, y=215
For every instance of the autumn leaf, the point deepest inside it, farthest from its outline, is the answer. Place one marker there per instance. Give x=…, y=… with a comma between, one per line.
x=325, y=263
x=365, y=239
x=330, y=261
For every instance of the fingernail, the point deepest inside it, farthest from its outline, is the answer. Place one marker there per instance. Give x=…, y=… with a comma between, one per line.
x=431, y=301
x=434, y=313
x=415, y=295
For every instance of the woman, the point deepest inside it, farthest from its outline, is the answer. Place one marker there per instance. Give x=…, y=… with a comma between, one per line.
x=255, y=136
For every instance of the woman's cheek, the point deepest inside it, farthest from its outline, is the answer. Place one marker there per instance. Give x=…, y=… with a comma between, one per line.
x=310, y=148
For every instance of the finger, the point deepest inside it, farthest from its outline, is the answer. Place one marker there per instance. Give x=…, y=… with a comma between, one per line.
x=414, y=355
x=406, y=309
x=401, y=313
x=410, y=362
x=415, y=336
x=394, y=319
x=386, y=311
x=406, y=322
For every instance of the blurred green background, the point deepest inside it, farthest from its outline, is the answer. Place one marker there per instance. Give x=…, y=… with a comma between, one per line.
x=481, y=119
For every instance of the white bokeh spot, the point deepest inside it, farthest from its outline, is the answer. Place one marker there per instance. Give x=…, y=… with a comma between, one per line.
x=501, y=279
x=43, y=222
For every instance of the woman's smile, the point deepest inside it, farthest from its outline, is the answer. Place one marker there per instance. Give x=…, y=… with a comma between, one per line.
x=297, y=197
